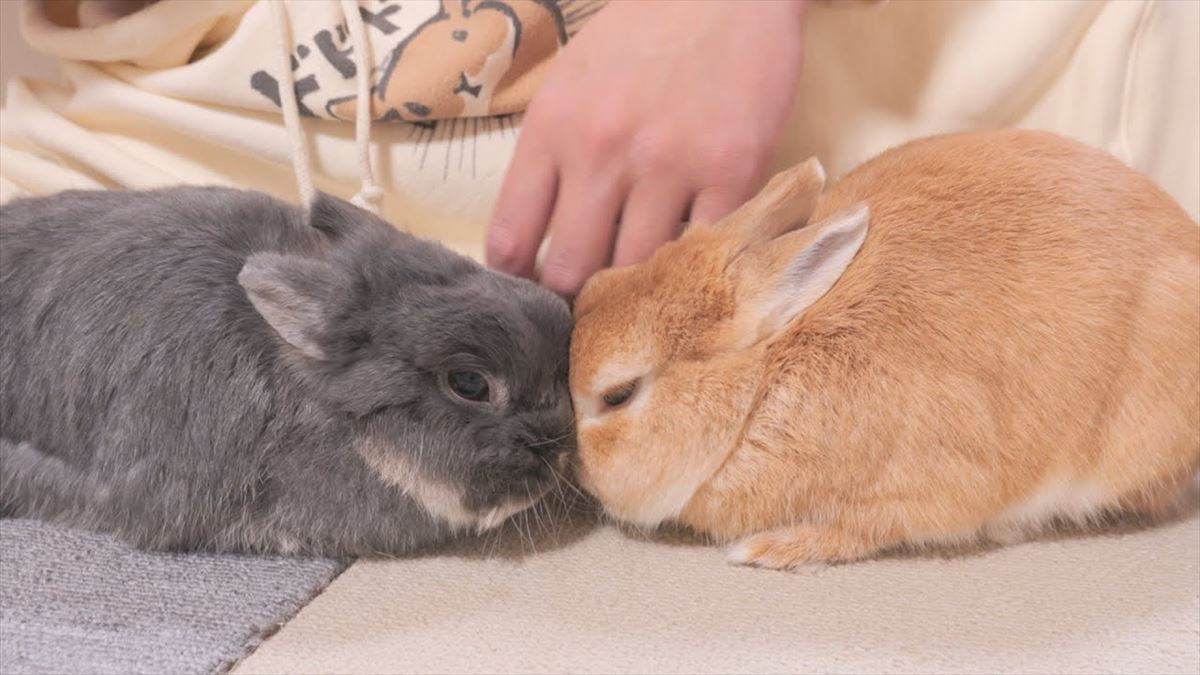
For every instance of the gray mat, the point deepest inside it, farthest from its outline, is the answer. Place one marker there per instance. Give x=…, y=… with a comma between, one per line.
x=80, y=602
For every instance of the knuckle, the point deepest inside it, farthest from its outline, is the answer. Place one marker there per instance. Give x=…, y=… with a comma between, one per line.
x=544, y=111
x=741, y=171
x=656, y=151
x=604, y=134
x=735, y=163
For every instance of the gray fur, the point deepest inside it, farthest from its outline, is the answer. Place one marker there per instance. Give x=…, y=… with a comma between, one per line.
x=142, y=392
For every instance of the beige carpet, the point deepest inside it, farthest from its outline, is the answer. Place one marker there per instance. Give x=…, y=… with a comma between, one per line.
x=601, y=601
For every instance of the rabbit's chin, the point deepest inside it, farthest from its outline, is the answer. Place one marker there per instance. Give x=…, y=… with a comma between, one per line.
x=648, y=511
x=443, y=501
x=639, y=495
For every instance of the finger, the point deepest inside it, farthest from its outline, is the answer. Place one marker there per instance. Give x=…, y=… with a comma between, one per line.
x=523, y=210
x=581, y=231
x=653, y=216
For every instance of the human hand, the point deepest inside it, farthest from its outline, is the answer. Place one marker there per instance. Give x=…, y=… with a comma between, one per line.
x=657, y=111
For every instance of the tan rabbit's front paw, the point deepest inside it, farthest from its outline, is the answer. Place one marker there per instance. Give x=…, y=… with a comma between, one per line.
x=790, y=547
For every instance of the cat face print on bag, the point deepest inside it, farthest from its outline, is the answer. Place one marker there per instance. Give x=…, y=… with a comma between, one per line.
x=433, y=60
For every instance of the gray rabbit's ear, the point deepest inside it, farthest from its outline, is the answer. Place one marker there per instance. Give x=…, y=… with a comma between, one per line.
x=337, y=218
x=291, y=293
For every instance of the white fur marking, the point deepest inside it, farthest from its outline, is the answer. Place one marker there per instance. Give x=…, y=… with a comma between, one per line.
x=496, y=516
x=288, y=545
x=617, y=375
x=741, y=552
x=439, y=499
x=1056, y=497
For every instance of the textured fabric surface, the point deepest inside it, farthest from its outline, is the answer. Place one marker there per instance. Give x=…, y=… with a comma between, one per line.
x=1123, y=76
x=601, y=601
x=80, y=602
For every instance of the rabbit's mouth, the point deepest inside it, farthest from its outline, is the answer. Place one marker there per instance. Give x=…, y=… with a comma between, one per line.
x=494, y=513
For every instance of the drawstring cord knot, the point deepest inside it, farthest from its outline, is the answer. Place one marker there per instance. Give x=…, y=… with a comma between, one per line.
x=370, y=194
x=368, y=198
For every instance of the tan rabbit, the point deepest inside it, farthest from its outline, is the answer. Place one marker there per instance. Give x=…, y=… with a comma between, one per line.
x=976, y=335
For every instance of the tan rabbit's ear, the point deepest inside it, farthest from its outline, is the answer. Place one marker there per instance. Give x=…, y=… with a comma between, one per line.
x=453, y=8
x=785, y=204
x=780, y=279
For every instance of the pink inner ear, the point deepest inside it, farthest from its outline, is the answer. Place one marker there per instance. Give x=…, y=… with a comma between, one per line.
x=805, y=265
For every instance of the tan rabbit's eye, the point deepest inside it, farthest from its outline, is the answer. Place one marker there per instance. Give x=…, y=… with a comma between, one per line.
x=620, y=395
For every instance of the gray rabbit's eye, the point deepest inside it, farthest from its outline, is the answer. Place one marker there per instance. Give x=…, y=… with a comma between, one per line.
x=469, y=385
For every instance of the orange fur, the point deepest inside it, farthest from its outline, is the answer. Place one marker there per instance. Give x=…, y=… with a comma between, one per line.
x=1018, y=340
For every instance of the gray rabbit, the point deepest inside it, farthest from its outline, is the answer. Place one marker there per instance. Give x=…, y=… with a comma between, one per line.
x=213, y=369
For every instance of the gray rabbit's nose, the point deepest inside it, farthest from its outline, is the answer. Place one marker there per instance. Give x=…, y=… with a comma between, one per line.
x=552, y=449
x=551, y=433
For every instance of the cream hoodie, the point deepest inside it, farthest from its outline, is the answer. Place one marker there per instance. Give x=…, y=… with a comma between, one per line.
x=180, y=91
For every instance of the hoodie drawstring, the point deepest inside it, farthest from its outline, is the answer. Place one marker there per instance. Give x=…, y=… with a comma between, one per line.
x=369, y=194
x=287, y=103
